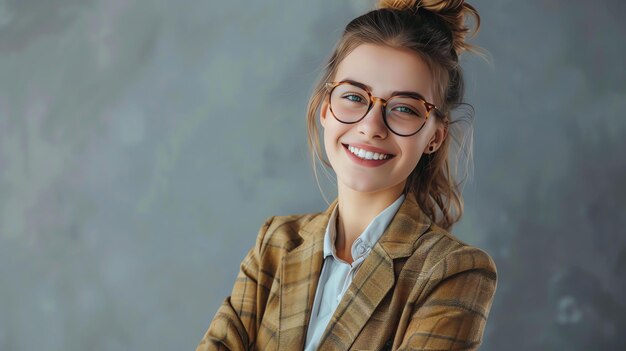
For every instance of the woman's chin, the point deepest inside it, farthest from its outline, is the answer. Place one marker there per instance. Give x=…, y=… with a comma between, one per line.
x=369, y=187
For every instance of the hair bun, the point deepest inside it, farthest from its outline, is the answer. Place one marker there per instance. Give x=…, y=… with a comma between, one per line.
x=452, y=12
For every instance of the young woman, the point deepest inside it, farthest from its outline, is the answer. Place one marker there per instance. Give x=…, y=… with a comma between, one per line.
x=379, y=268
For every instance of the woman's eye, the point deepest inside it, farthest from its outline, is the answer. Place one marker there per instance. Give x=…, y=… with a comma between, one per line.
x=405, y=109
x=355, y=98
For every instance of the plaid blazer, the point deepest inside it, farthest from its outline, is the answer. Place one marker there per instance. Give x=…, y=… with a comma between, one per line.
x=420, y=288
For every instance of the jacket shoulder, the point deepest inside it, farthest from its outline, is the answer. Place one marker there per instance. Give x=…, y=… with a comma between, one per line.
x=442, y=252
x=277, y=236
x=285, y=232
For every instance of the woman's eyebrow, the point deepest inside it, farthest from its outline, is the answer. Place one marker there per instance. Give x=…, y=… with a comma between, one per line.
x=368, y=88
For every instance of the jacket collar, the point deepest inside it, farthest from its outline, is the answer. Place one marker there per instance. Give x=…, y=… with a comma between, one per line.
x=409, y=223
x=302, y=264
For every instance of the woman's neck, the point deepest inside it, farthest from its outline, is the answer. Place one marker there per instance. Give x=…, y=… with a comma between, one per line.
x=356, y=211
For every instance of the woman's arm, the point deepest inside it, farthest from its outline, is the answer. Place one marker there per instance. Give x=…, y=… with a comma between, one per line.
x=454, y=313
x=235, y=323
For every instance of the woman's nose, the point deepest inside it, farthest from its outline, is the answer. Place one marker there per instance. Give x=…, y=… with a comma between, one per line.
x=373, y=125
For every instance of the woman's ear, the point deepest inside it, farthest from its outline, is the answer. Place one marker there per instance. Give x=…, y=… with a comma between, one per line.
x=441, y=133
x=323, y=112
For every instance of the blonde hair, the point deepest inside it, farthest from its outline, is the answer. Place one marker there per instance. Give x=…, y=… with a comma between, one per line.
x=436, y=31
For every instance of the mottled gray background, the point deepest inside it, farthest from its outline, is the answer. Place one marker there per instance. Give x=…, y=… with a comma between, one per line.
x=143, y=143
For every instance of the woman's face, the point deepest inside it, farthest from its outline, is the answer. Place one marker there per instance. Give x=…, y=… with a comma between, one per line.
x=384, y=70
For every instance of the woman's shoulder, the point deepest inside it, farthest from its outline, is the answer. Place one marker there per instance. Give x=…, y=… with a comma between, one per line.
x=287, y=231
x=291, y=222
x=439, y=249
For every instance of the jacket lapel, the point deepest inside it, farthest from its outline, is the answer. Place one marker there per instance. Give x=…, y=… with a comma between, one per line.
x=300, y=272
x=375, y=277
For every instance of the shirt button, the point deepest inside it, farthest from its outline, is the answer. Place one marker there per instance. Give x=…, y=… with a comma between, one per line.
x=360, y=249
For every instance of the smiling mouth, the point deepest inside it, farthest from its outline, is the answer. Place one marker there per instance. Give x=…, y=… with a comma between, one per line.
x=367, y=155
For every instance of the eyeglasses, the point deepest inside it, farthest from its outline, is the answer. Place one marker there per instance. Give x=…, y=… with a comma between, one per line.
x=403, y=114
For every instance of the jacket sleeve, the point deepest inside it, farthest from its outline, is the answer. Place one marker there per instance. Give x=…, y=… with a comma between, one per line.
x=453, y=314
x=234, y=325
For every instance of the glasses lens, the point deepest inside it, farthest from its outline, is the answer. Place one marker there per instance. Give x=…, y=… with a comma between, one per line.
x=349, y=103
x=405, y=115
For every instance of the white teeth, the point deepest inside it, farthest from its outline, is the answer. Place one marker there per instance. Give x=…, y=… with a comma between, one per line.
x=367, y=155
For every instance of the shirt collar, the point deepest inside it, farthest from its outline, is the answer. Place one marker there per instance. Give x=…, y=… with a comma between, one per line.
x=364, y=243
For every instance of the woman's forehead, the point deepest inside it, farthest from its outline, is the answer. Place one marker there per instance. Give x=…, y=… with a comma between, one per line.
x=386, y=69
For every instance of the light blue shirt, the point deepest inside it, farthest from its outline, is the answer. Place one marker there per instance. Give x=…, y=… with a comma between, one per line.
x=337, y=274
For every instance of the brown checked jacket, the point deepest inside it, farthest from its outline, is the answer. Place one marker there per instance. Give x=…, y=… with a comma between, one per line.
x=420, y=288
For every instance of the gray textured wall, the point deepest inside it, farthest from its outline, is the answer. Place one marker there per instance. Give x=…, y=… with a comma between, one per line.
x=143, y=143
